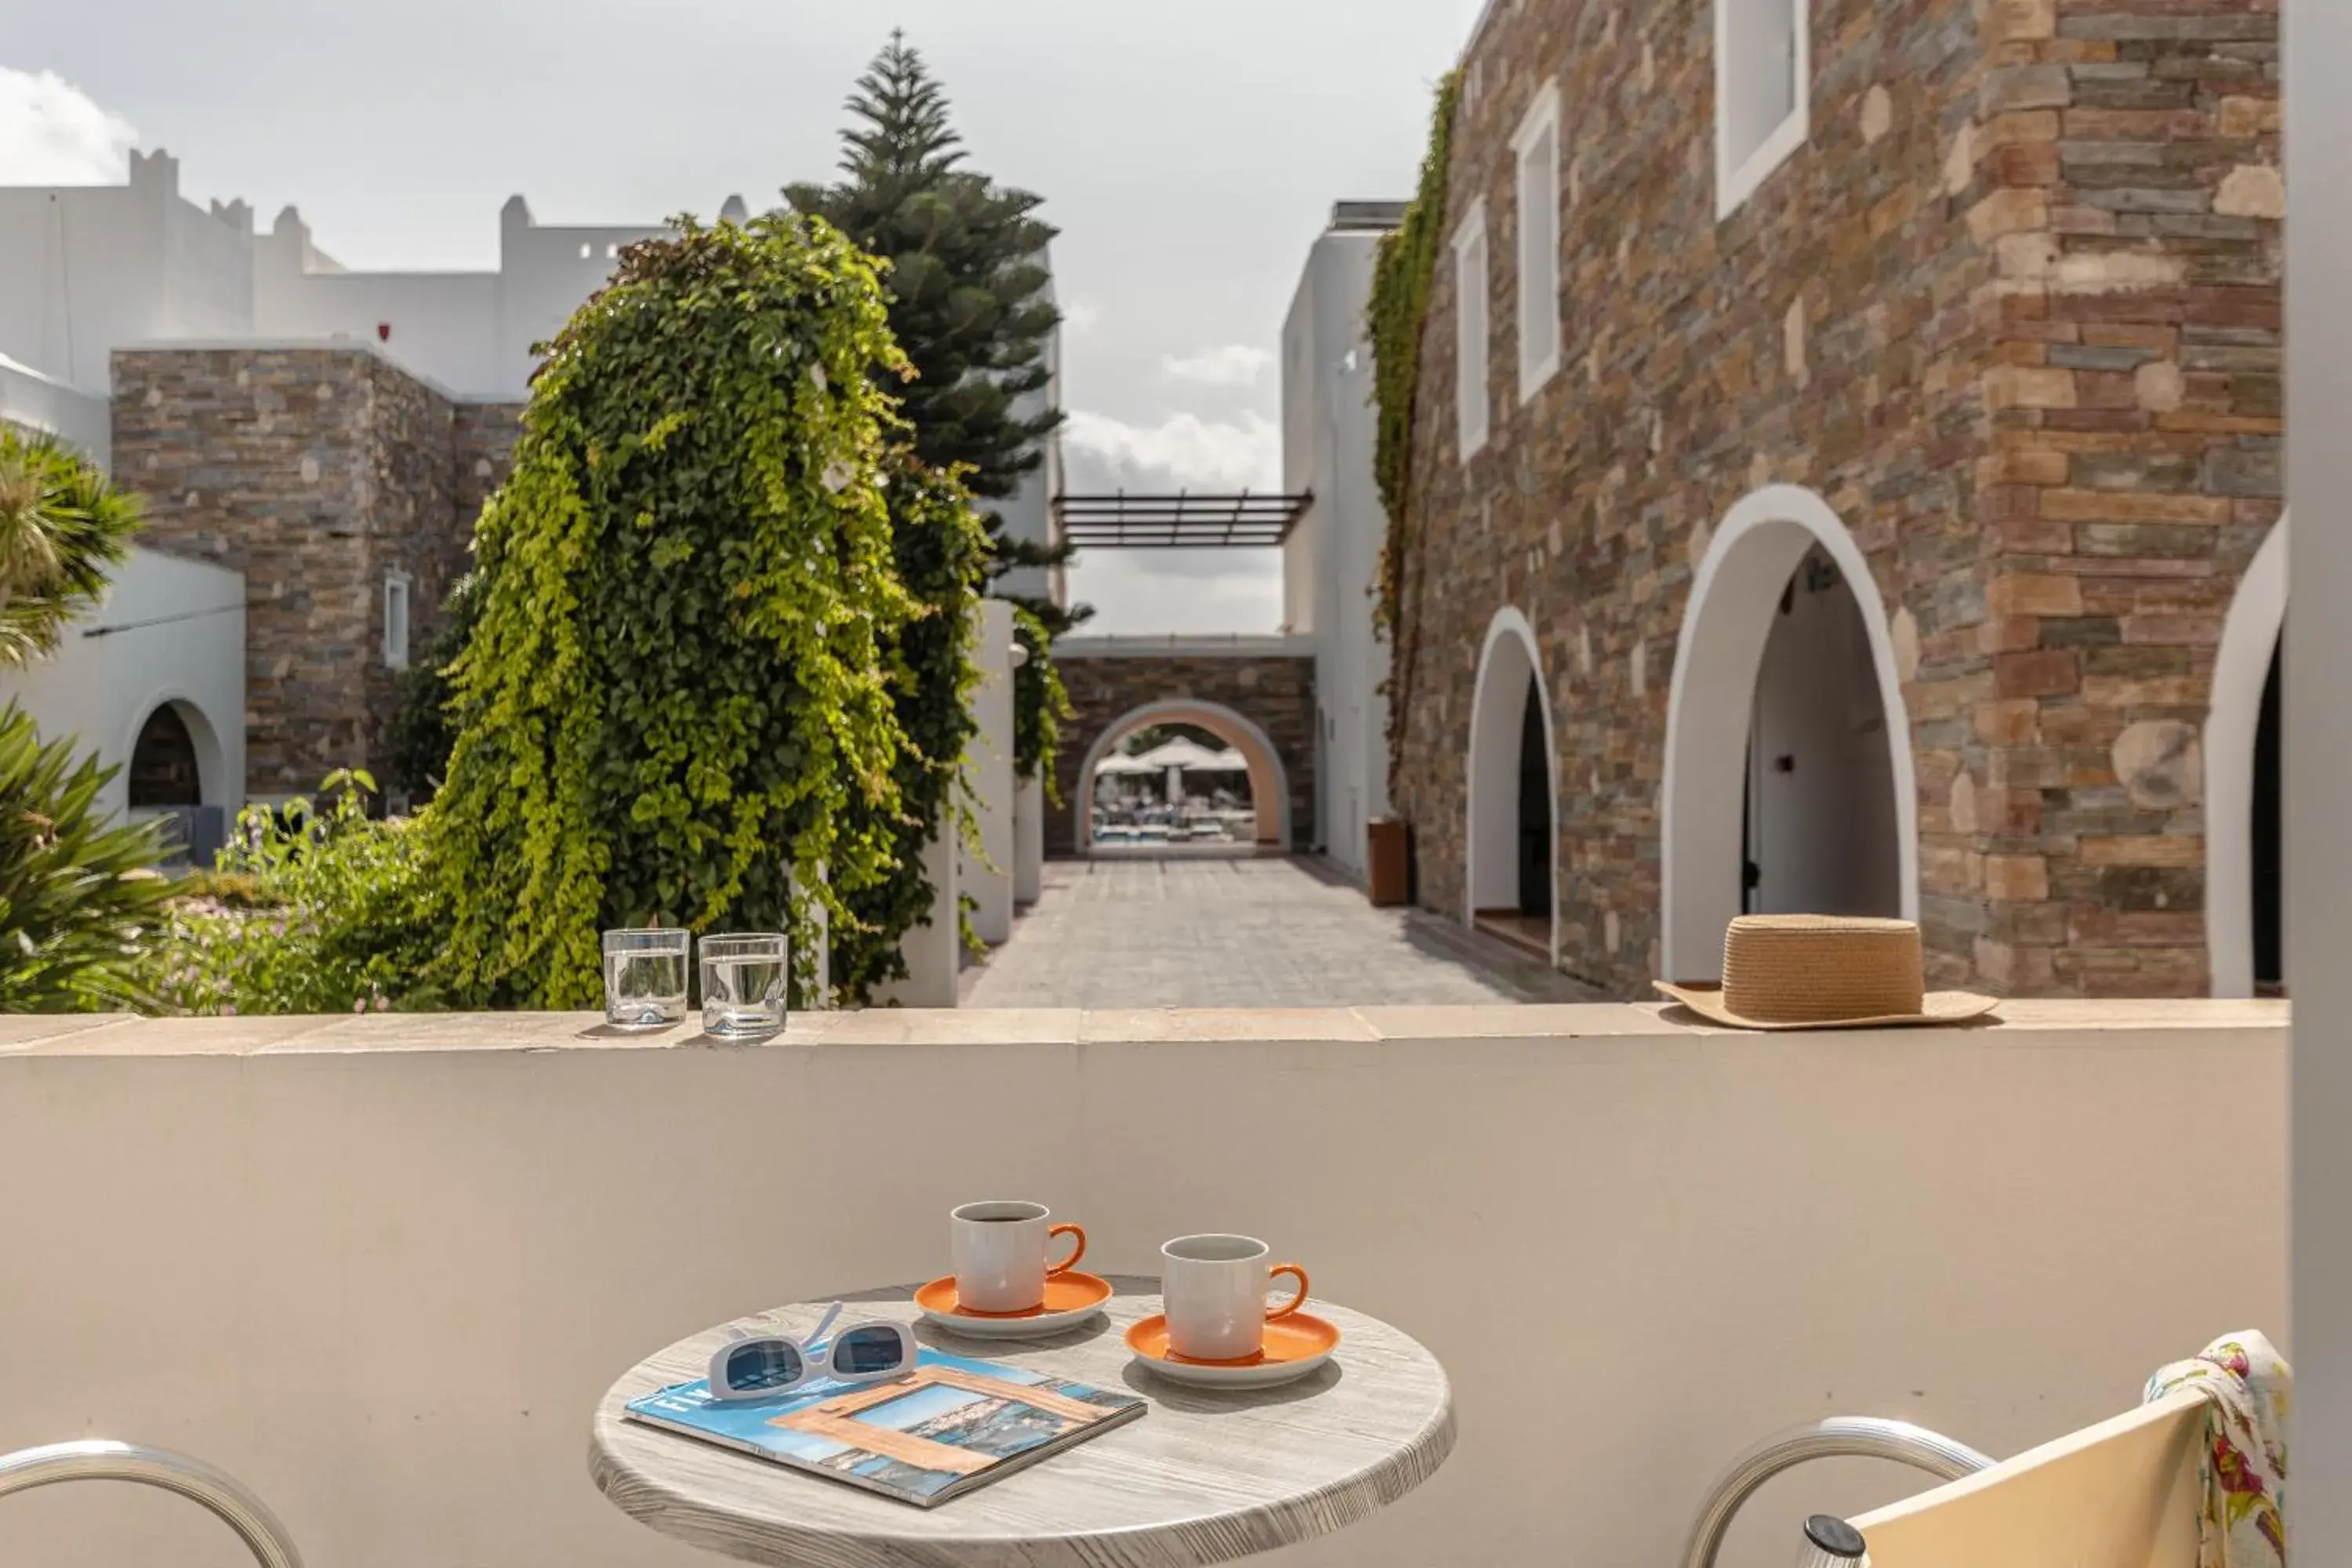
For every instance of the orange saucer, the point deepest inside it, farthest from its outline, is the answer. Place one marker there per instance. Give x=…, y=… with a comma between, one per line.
x=1294, y=1346
x=1070, y=1299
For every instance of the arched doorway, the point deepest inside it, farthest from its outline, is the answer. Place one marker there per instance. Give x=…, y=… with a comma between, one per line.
x=1789, y=783
x=1510, y=841
x=164, y=770
x=2245, y=910
x=1269, y=781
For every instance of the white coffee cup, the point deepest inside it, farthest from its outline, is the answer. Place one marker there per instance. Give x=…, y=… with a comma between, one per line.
x=1214, y=1288
x=1000, y=1255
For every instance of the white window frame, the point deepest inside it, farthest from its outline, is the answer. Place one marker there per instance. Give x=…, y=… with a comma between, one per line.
x=1473, y=267
x=1539, y=291
x=1735, y=183
x=397, y=603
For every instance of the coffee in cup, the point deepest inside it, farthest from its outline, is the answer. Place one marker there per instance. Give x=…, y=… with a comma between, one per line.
x=1214, y=1288
x=999, y=1248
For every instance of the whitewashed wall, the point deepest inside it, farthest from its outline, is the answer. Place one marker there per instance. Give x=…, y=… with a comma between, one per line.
x=1333, y=559
x=32, y=401
x=169, y=631
x=383, y=1269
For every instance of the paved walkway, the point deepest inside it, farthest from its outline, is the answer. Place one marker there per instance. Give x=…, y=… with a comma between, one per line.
x=1193, y=931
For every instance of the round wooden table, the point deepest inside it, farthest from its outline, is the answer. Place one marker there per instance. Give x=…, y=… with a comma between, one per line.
x=1202, y=1477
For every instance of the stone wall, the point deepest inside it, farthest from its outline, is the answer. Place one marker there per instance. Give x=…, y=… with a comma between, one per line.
x=1276, y=693
x=316, y=472
x=2012, y=312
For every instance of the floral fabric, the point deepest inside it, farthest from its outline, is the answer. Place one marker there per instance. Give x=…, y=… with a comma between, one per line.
x=2247, y=1388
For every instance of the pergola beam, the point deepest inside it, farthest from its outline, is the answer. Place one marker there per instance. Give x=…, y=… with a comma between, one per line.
x=1181, y=521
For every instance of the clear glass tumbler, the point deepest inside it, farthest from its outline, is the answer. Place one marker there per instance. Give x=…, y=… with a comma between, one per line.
x=645, y=978
x=743, y=982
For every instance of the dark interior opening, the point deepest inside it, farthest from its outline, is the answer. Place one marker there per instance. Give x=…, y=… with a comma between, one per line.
x=2269, y=906
x=163, y=763
x=1535, y=810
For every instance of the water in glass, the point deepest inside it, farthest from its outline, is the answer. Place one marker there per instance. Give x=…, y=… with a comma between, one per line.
x=645, y=978
x=743, y=983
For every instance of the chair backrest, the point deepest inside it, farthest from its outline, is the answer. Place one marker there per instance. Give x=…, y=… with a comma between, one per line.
x=2122, y=1494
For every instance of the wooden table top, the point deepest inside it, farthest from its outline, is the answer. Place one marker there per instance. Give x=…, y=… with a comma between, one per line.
x=1203, y=1477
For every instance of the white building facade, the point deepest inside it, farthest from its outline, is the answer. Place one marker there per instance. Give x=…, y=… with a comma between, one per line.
x=1331, y=563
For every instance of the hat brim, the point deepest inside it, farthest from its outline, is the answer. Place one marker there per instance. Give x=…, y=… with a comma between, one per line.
x=1936, y=1008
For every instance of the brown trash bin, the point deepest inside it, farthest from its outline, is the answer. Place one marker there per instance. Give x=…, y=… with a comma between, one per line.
x=1389, y=851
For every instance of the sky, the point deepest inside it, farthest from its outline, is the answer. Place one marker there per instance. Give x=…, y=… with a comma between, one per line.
x=1189, y=154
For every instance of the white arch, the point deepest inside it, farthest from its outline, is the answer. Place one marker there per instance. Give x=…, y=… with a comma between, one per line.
x=1507, y=662
x=2233, y=715
x=1732, y=602
x=213, y=786
x=1269, y=780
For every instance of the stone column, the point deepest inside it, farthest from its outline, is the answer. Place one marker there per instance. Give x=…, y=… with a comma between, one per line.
x=934, y=948
x=987, y=764
x=2318, y=760
x=1028, y=841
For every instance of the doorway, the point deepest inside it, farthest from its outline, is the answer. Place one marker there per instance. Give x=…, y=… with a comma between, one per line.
x=2270, y=883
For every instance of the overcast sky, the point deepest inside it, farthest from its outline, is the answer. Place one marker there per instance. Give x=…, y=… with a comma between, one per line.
x=1189, y=154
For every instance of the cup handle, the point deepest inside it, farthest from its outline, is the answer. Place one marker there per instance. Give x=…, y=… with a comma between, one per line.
x=1076, y=1252
x=1295, y=1302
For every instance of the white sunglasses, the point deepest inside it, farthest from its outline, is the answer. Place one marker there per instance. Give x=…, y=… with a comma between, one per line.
x=766, y=1366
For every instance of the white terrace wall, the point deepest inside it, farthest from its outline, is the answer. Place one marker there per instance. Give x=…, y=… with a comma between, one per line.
x=381, y=1268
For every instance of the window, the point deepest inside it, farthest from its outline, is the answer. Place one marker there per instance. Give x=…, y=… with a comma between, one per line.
x=1537, y=147
x=1763, y=73
x=395, y=620
x=1470, y=329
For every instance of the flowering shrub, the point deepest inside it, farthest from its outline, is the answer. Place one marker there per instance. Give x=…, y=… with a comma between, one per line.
x=315, y=908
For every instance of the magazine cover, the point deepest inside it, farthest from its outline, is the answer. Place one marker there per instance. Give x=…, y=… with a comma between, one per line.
x=946, y=1427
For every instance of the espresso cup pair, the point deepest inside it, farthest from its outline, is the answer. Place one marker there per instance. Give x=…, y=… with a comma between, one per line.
x=1215, y=1286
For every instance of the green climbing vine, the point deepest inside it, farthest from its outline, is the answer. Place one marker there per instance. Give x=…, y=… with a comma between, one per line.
x=1402, y=271
x=940, y=544
x=1040, y=702
x=676, y=704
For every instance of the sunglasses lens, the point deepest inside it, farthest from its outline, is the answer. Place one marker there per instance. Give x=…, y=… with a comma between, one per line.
x=762, y=1363
x=861, y=1353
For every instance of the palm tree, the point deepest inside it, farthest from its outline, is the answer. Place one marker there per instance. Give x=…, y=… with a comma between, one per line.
x=62, y=528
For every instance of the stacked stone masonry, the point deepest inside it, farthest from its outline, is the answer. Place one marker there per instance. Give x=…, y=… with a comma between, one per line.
x=2013, y=310
x=317, y=472
x=1277, y=694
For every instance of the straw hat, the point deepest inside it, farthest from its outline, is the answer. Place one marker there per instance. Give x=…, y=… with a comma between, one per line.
x=1824, y=972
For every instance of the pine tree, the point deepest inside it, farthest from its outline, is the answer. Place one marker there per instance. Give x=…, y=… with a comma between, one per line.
x=966, y=289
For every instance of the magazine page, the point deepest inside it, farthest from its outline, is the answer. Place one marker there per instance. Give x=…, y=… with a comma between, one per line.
x=918, y=1438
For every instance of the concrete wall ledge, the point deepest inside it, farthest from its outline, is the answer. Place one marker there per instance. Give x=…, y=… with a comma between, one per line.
x=1653, y=1024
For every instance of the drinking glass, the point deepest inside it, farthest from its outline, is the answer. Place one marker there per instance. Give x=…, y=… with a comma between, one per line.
x=645, y=978
x=743, y=981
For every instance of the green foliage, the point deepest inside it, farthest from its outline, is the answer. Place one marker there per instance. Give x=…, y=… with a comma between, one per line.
x=1402, y=271
x=674, y=700
x=312, y=908
x=80, y=893
x=940, y=549
x=422, y=728
x=968, y=306
x=967, y=288
x=62, y=525
x=1040, y=702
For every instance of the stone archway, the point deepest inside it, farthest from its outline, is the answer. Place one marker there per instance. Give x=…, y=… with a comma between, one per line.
x=1261, y=690
x=1511, y=843
x=2233, y=733
x=1269, y=781
x=1737, y=598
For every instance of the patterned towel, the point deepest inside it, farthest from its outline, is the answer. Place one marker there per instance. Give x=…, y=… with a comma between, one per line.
x=2247, y=1388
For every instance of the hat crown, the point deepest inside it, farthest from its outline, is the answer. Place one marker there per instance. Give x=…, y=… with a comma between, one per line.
x=1796, y=969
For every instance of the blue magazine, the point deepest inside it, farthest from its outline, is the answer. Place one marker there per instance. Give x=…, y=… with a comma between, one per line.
x=944, y=1428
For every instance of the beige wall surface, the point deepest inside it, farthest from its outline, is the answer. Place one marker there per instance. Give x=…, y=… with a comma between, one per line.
x=381, y=1268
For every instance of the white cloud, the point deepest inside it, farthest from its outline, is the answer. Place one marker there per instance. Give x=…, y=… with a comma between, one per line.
x=1082, y=316
x=1232, y=364
x=1182, y=451
x=52, y=134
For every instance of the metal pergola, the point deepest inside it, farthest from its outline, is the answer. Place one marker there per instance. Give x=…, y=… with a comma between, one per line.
x=1181, y=521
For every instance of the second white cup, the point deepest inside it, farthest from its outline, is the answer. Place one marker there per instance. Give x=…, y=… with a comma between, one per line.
x=1214, y=1288
x=999, y=1250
